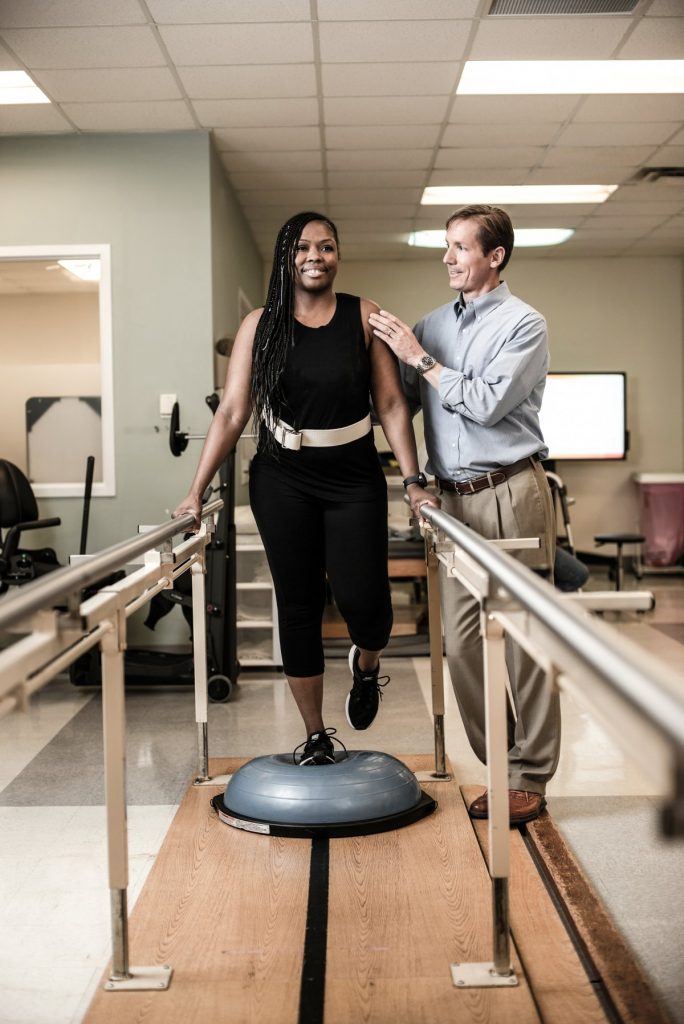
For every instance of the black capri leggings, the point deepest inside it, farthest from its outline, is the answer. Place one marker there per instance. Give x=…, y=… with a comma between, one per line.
x=305, y=538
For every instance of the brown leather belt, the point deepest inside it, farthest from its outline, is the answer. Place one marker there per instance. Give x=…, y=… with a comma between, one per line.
x=480, y=483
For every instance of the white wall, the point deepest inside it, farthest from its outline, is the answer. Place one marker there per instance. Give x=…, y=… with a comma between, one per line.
x=603, y=314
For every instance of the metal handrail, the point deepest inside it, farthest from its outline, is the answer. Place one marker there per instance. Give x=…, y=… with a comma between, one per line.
x=61, y=583
x=591, y=641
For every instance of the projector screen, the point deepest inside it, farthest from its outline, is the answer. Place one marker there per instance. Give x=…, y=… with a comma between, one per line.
x=583, y=415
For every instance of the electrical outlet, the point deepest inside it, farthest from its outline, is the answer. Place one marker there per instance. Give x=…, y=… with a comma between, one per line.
x=166, y=403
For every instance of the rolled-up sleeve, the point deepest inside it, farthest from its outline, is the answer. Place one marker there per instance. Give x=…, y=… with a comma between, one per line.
x=509, y=378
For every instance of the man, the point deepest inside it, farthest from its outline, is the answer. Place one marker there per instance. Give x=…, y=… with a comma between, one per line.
x=477, y=367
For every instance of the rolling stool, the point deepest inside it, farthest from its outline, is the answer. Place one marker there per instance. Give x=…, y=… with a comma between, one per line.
x=619, y=540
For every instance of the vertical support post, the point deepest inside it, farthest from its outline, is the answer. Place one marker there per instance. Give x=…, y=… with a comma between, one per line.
x=497, y=782
x=436, y=658
x=114, y=726
x=199, y=633
x=123, y=977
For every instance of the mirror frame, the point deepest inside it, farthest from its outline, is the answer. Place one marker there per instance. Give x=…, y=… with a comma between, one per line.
x=107, y=487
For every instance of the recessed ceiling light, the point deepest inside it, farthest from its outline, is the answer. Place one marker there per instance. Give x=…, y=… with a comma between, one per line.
x=515, y=195
x=508, y=77
x=86, y=270
x=524, y=237
x=17, y=87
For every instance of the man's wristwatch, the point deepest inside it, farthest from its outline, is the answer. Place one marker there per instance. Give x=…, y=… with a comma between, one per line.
x=419, y=478
x=424, y=364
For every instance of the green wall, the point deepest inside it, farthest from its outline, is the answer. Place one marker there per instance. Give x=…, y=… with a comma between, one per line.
x=179, y=248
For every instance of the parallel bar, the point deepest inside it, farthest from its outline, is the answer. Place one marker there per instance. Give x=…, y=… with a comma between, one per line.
x=62, y=582
x=436, y=658
x=199, y=636
x=649, y=686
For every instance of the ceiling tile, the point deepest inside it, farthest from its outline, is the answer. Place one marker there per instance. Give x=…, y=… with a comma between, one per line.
x=32, y=117
x=391, y=212
x=355, y=226
x=196, y=12
x=376, y=179
x=37, y=13
x=677, y=140
x=7, y=61
x=466, y=175
x=674, y=228
x=394, y=79
x=245, y=181
x=378, y=159
x=512, y=109
x=649, y=192
x=626, y=222
x=265, y=113
x=471, y=156
x=486, y=135
x=664, y=9
x=631, y=108
x=266, y=139
x=388, y=10
x=249, y=81
x=109, y=84
x=391, y=41
x=283, y=43
x=170, y=115
x=118, y=47
x=616, y=206
x=655, y=39
x=261, y=163
x=292, y=198
x=555, y=38
x=599, y=156
x=385, y=110
x=621, y=133
x=667, y=156
x=386, y=137
x=579, y=175
x=381, y=196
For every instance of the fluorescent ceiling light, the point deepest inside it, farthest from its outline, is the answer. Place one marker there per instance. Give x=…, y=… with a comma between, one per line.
x=17, y=87
x=524, y=237
x=86, y=270
x=507, y=77
x=516, y=195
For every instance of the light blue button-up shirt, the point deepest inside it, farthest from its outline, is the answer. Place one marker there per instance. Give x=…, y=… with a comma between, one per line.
x=495, y=355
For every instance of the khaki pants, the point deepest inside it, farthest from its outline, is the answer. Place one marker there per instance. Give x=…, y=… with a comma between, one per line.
x=519, y=507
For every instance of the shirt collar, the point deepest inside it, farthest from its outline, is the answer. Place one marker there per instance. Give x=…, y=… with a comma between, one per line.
x=483, y=304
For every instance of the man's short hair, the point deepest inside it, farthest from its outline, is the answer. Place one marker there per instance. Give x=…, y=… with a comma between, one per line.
x=494, y=228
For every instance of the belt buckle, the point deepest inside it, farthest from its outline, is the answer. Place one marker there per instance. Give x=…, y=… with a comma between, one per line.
x=291, y=439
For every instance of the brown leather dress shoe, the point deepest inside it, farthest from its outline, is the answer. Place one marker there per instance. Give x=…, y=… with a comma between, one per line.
x=522, y=806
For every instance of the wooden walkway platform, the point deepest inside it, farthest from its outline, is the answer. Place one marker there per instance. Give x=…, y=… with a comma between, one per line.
x=229, y=911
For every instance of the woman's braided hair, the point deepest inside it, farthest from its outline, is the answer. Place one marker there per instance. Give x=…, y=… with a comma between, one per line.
x=275, y=331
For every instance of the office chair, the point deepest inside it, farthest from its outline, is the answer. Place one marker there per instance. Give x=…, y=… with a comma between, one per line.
x=18, y=514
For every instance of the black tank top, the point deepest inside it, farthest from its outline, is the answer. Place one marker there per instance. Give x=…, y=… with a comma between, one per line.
x=326, y=384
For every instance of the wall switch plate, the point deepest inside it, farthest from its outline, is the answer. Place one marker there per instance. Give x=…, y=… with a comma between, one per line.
x=166, y=403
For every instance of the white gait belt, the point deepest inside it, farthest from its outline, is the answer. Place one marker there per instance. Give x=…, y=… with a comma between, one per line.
x=293, y=440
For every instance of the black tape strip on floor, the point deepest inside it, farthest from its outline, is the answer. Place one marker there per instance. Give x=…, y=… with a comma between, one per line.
x=312, y=990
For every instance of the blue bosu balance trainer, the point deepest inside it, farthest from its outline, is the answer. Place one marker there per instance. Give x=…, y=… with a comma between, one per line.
x=363, y=792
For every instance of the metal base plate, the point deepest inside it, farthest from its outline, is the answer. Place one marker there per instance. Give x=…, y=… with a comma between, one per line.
x=481, y=976
x=432, y=777
x=215, y=780
x=142, y=978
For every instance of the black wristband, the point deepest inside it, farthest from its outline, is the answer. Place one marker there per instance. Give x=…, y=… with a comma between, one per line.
x=420, y=478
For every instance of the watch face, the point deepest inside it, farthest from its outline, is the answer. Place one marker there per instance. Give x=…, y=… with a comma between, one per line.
x=426, y=363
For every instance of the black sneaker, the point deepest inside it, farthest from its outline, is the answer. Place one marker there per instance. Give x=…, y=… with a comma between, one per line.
x=318, y=749
x=365, y=695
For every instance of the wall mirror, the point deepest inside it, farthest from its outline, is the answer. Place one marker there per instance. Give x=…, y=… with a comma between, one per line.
x=56, y=357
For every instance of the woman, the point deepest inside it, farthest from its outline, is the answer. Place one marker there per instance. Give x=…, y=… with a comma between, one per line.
x=306, y=365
